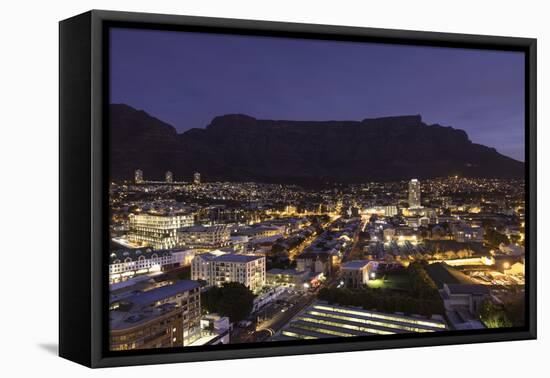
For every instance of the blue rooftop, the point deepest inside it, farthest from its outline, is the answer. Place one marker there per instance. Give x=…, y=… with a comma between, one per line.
x=152, y=296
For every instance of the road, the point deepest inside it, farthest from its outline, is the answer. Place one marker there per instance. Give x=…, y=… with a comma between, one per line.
x=278, y=320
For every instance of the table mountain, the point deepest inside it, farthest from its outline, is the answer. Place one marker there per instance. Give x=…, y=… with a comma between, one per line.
x=241, y=148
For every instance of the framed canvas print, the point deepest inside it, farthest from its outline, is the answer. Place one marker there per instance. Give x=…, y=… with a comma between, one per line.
x=234, y=188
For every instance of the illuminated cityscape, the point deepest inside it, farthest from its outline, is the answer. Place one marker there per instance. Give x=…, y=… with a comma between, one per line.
x=270, y=262
x=272, y=189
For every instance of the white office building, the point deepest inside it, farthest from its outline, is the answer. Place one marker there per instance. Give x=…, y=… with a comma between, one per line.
x=217, y=268
x=157, y=230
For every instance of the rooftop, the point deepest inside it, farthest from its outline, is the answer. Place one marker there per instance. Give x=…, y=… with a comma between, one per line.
x=356, y=264
x=467, y=289
x=322, y=320
x=155, y=295
x=231, y=257
x=122, y=254
x=200, y=228
x=443, y=274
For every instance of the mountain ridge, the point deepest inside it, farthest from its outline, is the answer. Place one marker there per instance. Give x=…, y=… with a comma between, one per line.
x=238, y=147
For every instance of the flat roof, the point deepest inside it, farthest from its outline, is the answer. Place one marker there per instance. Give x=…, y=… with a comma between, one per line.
x=200, y=228
x=152, y=296
x=232, y=257
x=467, y=289
x=355, y=264
x=322, y=320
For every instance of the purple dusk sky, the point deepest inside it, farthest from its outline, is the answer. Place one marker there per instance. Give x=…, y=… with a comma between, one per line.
x=186, y=79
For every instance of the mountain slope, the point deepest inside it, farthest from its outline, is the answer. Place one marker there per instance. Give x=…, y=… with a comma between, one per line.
x=242, y=148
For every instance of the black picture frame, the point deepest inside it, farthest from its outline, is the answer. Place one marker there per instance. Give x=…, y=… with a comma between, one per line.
x=83, y=180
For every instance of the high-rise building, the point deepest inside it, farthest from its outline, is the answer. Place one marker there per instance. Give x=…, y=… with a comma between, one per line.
x=196, y=178
x=138, y=176
x=169, y=177
x=158, y=230
x=414, y=193
x=219, y=268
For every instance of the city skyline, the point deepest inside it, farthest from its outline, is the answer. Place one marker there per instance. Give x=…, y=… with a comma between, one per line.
x=481, y=92
x=283, y=263
x=318, y=203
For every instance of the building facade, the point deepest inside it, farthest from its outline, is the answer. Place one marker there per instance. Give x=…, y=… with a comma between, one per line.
x=157, y=230
x=465, y=297
x=219, y=268
x=168, y=316
x=138, y=176
x=465, y=234
x=356, y=274
x=414, y=193
x=317, y=262
x=125, y=263
x=204, y=237
x=287, y=277
x=390, y=210
x=169, y=177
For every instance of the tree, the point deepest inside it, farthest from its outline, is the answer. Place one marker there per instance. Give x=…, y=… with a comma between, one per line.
x=493, y=316
x=515, y=239
x=233, y=300
x=210, y=299
x=515, y=311
x=495, y=238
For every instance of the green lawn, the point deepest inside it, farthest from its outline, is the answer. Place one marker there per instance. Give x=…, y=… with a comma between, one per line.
x=395, y=281
x=375, y=284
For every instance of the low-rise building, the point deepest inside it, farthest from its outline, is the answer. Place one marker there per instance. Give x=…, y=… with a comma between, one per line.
x=125, y=263
x=167, y=316
x=467, y=297
x=463, y=233
x=215, y=330
x=259, y=232
x=182, y=257
x=317, y=262
x=356, y=274
x=322, y=320
x=204, y=237
x=287, y=277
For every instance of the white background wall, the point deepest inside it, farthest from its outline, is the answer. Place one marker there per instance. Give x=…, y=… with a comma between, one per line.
x=28, y=201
